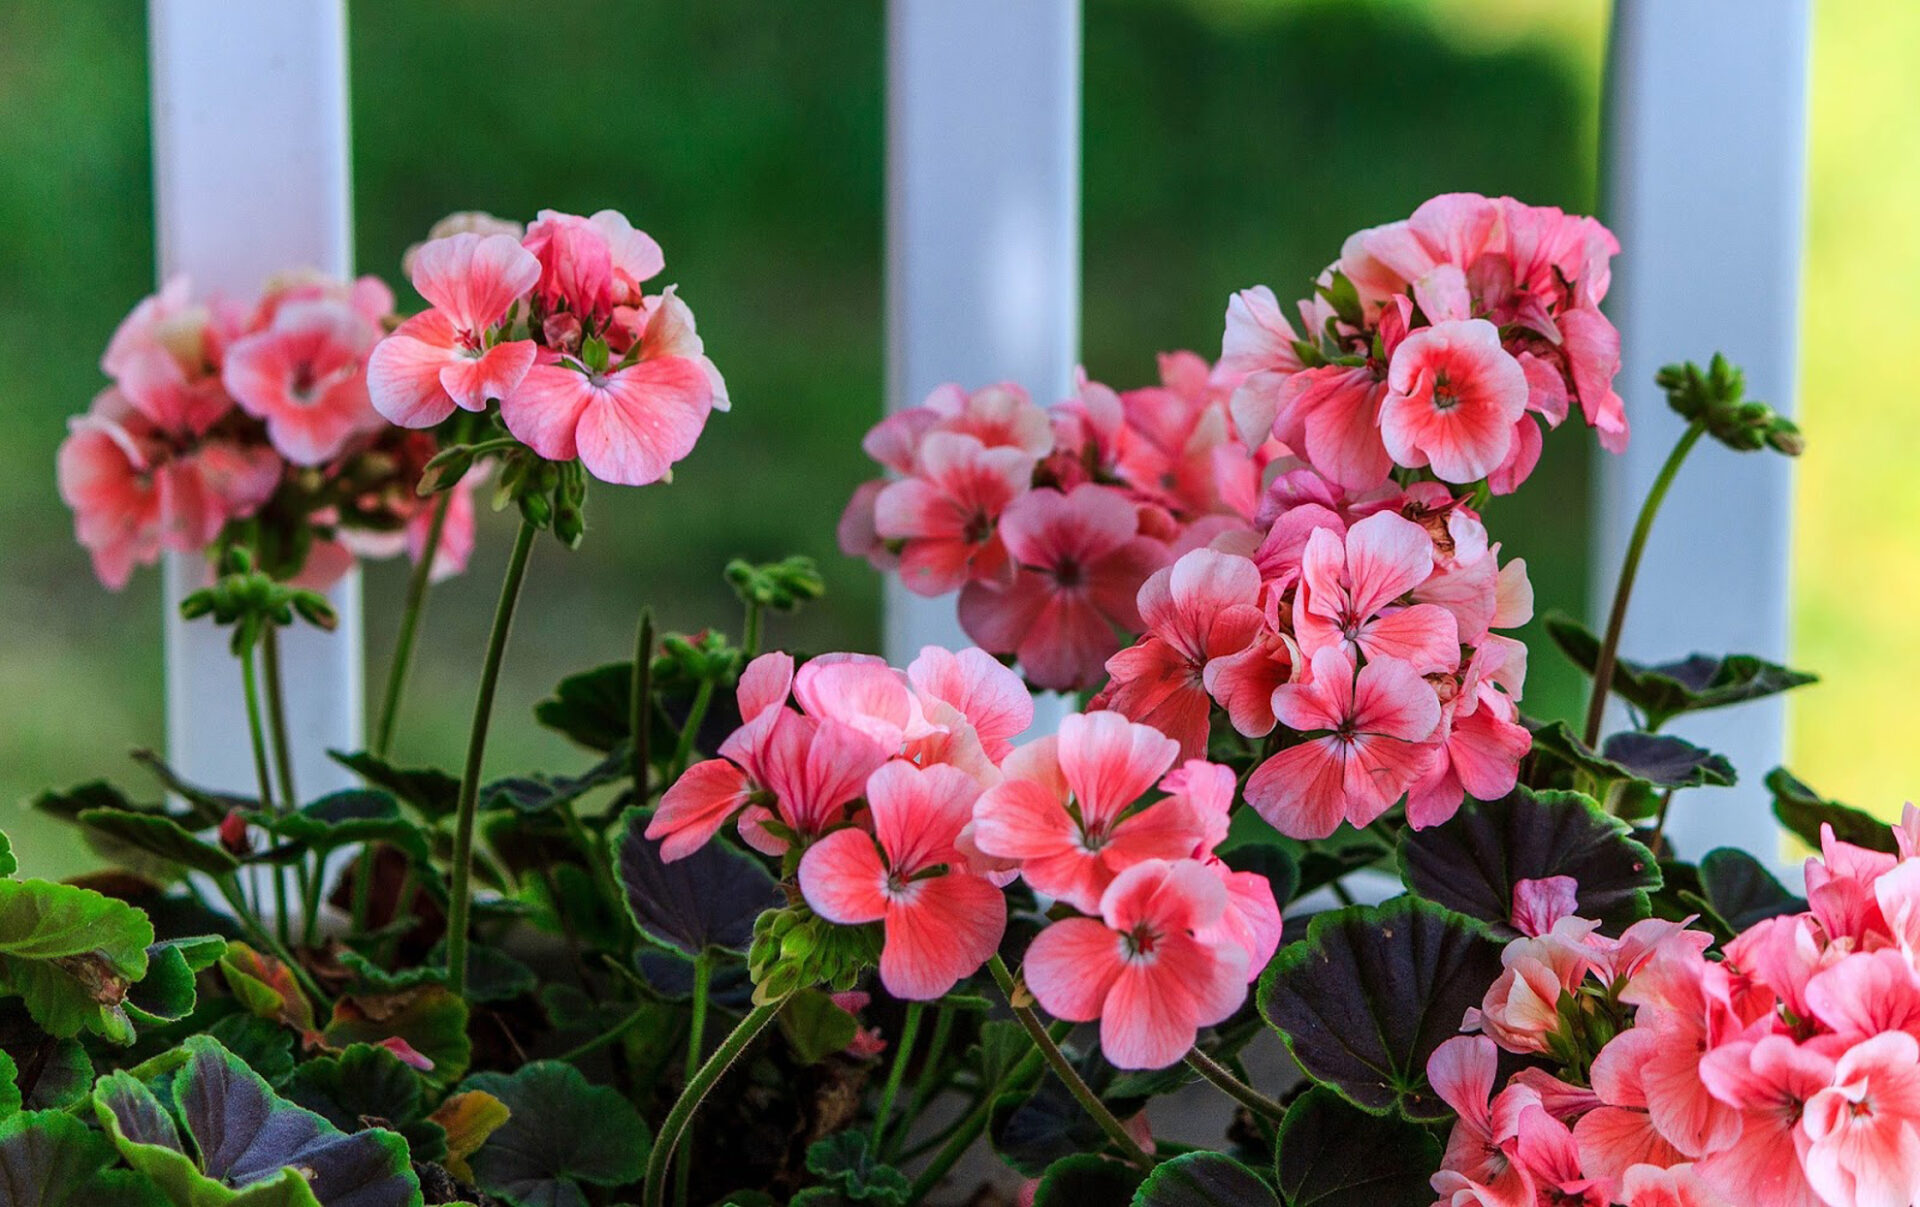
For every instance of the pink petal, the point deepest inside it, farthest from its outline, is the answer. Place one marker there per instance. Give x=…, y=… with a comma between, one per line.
x=1110, y=762
x=403, y=372
x=648, y=416
x=696, y=805
x=1071, y=966
x=944, y=929
x=1154, y=1009
x=843, y=879
x=472, y=383
x=918, y=812
x=474, y=279
x=1301, y=790
x=544, y=411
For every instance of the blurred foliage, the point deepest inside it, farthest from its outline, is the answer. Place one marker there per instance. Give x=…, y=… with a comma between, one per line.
x=1228, y=143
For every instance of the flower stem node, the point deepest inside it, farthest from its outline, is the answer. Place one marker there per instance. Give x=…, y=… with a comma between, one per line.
x=249, y=599
x=782, y=586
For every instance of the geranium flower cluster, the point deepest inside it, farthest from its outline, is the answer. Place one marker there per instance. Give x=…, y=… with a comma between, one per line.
x=1439, y=343
x=1785, y=1073
x=1048, y=520
x=221, y=411
x=898, y=798
x=553, y=323
x=1352, y=633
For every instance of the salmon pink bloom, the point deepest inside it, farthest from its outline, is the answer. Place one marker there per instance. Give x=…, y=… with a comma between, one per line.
x=1770, y=1082
x=1202, y=607
x=1545, y=1149
x=1675, y=1186
x=590, y=265
x=947, y=515
x=1252, y=917
x=1138, y=967
x=305, y=375
x=1332, y=416
x=987, y=695
x=1080, y=562
x=442, y=357
x=1350, y=589
x=1864, y=1127
x=627, y=424
x=1367, y=743
x=712, y=792
x=1619, y=1134
x=1462, y=1072
x=1453, y=398
x=1067, y=808
x=941, y=922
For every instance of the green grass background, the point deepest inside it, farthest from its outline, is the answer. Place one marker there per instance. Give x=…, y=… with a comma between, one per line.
x=1227, y=143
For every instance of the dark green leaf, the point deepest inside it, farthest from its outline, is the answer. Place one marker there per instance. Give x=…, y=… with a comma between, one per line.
x=51, y=1159
x=433, y=792
x=1471, y=862
x=9, y=1086
x=539, y=793
x=562, y=1132
x=207, y=806
x=160, y=836
x=429, y=1018
x=264, y=1045
x=367, y=1086
x=843, y=1163
x=1803, y=811
x=1741, y=891
x=1002, y=1045
x=1664, y=690
x=1668, y=761
x=1269, y=860
x=8, y=863
x=72, y=953
x=1032, y=1128
x=1084, y=1180
x=166, y=994
x=708, y=899
x=1332, y=1155
x=593, y=707
x=1204, y=1179
x=1367, y=996
x=354, y=815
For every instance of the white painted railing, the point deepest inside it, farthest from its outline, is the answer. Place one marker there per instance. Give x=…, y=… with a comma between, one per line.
x=1707, y=127
x=1707, y=121
x=250, y=159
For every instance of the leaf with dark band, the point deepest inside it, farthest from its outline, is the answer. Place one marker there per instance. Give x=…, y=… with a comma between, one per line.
x=1664, y=690
x=708, y=899
x=1471, y=862
x=1204, y=1179
x=1367, y=996
x=1668, y=761
x=1803, y=811
x=561, y=1131
x=433, y=792
x=1741, y=891
x=1332, y=1155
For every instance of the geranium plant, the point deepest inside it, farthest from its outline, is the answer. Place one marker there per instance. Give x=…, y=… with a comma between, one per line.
x=812, y=929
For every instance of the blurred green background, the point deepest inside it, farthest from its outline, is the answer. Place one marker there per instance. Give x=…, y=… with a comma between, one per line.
x=1227, y=143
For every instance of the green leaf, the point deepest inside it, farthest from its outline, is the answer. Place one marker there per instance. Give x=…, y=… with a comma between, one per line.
x=1269, y=860
x=815, y=1027
x=354, y=815
x=266, y=987
x=1668, y=761
x=1741, y=892
x=162, y=837
x=206, y=806
x=1033, y=1127
x=1664, y=690
x=10, y=1102
x=1471, y=862
x=265, y=1045
x=1803, y=811
x=1332, y=1155
x=433, y=792
x=430, y=1018
x=167, y=994
x=593, y=707
x=1204, y=1179
x=366, y=1084
x=1084, y=1179
x=466, y=1120
x=561, y=1132
x=708, y=899
x=8, y=863
x=52, y=1159
x=1367, y=996
x=843, y=1163
x=539, y=793
x=1002, y=1045
x=71, y=953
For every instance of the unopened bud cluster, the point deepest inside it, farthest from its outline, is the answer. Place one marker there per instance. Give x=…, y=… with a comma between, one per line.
x=249, y=599
x=1716, y=398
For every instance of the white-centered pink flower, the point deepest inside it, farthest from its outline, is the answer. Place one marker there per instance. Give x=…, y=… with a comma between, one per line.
x=1454, y=395
x=1138, y=967
x=1352, y=592
x=306, y=376
x=1864, y=1127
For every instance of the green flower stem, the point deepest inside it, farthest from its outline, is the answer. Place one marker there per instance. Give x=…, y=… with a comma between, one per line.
x=1623, y=590
x=307, y=877
x=250, y=681
x=696, y=1039
x=640, y=704
x=925, y=1085
x=750, y=636
x=902, y=1053
x=1064, y=1070
x=702, y=697
x=415, y=606
x=610, y=1035
x=695, y=1091
x=1234, y=1088
x=460, y=907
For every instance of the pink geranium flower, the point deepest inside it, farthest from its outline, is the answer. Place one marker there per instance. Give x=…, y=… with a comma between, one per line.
x=627, y=423
x=1350, y=592
x=1202, y=607
x=1462, y=1072
x=712, y=792
x=1080, y=562
x=990, y=698
x=1770, y=1082
x=1864, y=1127
x=1366, y=745
x=1068, y=808
x=1453, y=398
x=1138, y=967
x=1619, y=1134
x=941, y=922
x=443, y=357
x=947, y=515
x=305, y=375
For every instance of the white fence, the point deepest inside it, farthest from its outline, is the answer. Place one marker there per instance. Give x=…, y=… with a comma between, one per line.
x=1707, y=115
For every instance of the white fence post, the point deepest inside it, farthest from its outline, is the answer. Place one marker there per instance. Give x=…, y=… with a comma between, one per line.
x=1706, y=189
x=983, y=219
x=250, y=157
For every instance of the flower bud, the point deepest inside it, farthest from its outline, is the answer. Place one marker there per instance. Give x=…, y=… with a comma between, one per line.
x=569, y=524
x=446, y=468
x=315, y=610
